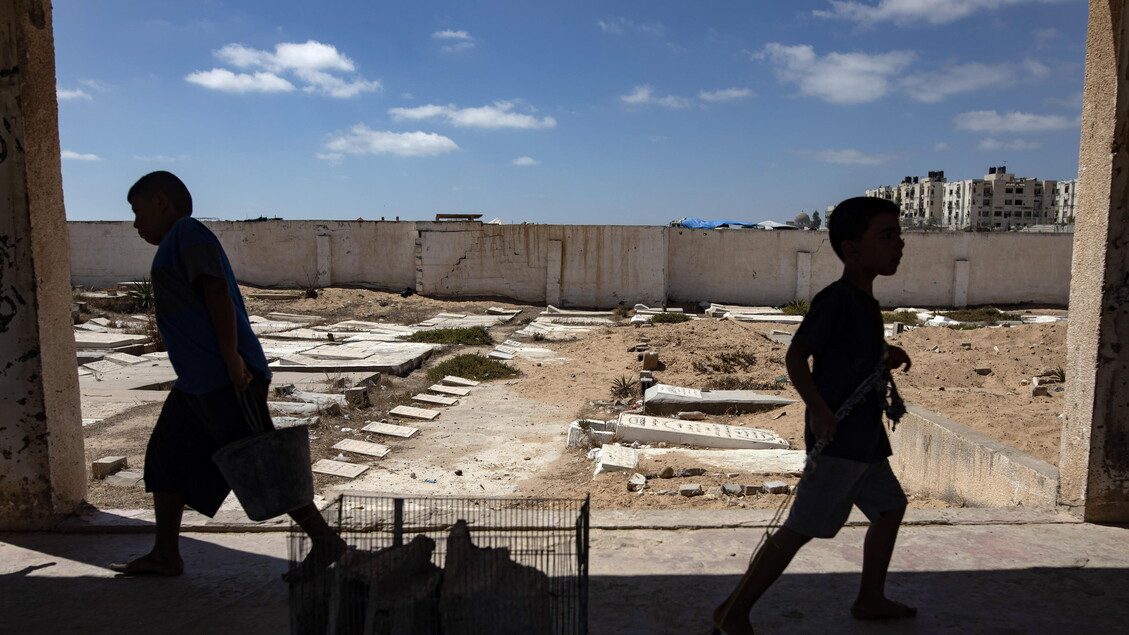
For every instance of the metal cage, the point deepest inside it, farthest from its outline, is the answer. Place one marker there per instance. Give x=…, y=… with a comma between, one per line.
x=447, y=566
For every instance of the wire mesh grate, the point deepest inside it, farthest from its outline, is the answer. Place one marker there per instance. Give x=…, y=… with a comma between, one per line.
x=448, y=566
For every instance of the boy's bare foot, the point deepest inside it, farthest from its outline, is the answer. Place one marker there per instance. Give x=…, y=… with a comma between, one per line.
x=730, y=624
x=324, y=553
x=150, y=564
x=881, y=610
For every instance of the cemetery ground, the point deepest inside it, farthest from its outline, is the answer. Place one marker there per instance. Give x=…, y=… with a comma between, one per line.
x=508, y=436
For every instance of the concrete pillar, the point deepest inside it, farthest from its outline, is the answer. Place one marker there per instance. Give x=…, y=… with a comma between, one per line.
x=324, y=266
x=553, y=263
x=960, y=283
x=1094, y=457
x=42, y=473
x=803, y=276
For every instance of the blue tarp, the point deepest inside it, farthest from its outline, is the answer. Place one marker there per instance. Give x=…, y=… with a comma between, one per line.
x=697, y=223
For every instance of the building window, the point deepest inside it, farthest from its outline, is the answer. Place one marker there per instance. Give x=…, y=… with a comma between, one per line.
x=1007, y=191
x=1018, y=190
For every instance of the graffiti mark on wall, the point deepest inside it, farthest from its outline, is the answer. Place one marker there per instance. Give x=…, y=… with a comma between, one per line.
x=8, y=296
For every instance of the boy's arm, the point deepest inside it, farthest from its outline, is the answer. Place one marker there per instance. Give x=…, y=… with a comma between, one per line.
x=221, y=310
x=823, y=422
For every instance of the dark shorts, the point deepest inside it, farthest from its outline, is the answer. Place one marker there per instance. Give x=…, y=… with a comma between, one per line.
x=189, y=431
x=825, y=495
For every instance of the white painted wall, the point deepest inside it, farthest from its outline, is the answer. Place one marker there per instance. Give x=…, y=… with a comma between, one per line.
x=596, y=265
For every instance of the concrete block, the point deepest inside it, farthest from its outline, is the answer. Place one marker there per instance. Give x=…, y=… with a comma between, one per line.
x=357, y=397
x=600, y=437
x=733, y=489
x=1040, y=391
x=125, y=359
x=716, y=491
x=646, y=429
x=414, y=413
x=106, y=466
x=690, y=490
x=577, y=436
x=338, y=468
x=775, y=487
x=636, y=483
x=362, y=447
x=291, y=422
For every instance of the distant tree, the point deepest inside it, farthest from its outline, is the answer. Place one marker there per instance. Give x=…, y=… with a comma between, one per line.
x=816, y=222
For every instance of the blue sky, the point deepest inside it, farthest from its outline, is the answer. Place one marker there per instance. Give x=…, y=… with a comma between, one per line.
x=610, y=112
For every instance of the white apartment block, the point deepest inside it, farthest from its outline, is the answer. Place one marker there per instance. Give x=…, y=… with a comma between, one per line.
x=998, y=202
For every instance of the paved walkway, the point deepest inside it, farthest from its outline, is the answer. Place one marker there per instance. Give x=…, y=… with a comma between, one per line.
x=969, y=571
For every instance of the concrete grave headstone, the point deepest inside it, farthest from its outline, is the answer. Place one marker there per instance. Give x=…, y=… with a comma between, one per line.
x=338, y=468
x=449, y=390
x=414, y=413
x=362, y=447
x=404, y=432
x=452, y=380
x=617, y=457
x=434, y=399
x=647, y=429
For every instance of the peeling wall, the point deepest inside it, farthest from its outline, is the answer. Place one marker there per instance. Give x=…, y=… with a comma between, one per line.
x=597, y=265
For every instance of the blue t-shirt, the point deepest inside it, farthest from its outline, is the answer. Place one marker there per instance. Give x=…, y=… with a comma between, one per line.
x=188, y=251
x=843, y=329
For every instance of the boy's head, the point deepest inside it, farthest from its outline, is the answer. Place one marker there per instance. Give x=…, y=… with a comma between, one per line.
x=158, y=200
x=867, y=228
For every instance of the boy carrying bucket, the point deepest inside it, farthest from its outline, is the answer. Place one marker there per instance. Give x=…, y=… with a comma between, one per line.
x=222, y=378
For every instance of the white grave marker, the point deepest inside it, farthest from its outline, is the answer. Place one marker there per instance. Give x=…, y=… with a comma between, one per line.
x=449, y=390
x=646, y=429
x=362, y=447
x=405, y=432
x=452, y=380
x=338, y=468
x=414, y=413
x=435, y=399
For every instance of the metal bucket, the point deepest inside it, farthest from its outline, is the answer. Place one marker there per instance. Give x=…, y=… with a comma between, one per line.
x=269, y=472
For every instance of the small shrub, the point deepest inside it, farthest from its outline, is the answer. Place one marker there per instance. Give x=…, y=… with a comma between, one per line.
x=1059, y=375
x=727, y=362
x=623, y=387
x=987, y=314
x=336, y=382
x=670, y=318
x=729, y=382
x=908, y=318
x=796, y=307
x=472, y=366
x=622, y=311
x=141, y=294
x=473, y=336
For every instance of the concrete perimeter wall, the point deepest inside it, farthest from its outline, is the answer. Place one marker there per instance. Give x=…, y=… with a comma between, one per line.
x=597, y=265
x=942, y=459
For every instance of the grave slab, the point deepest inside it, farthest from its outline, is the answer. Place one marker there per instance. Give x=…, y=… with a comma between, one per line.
x=721, y=310
x=293, y=422
x=338, y=468
x=124, y=359
x=449, y=390
x=392, y=430
x=102, y=366
x=316, y=397
x=107, y=465
x=452, y=380
x=107, y=340
x=293, y=408
x=497, y=354
x=397, y=358
x=414, y=413
x=362, y=447
x=434, y=399
x=751, y=461
x=617, y=457
x=645, y=429
x=663, y=399
x=549, y=331
x=293, y=317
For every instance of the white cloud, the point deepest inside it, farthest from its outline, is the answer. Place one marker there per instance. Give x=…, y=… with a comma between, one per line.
x=460, y=41
x=75, y=156
x=992, y=121
x=645, y=95
x=500, y=115
x=312, y=63
x=838, y=78
x=1072, y=101
x=847, y=156
x=226, y=81
x=63, y=94
x=988, y=145
x=914, y=11
x=618, y=26
x=362, y=140
x=160, y=158
x=962, y=78
x=1043, y=37
x=725, y=94
x=526, y=161
x=940, y=146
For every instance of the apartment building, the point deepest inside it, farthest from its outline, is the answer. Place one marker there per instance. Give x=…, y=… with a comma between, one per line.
x=998, y=202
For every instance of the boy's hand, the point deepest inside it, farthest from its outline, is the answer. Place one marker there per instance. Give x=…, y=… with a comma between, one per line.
x=823, y=424
x=238, y=373
x=897, y=357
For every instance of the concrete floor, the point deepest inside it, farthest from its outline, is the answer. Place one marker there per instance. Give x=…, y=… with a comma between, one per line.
x=968, y=571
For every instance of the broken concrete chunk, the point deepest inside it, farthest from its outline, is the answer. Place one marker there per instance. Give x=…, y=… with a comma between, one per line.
x=732, y=489
x=982, y=370
x=716, y=491
x=108, y=465
x=125, y=478
x=291, y=422
x=690, y=490
x=1040, y=391
x=338, y=468
x=689, y=471
x=661, y=399
x=775, y=487
x=615, y=457
x=636, y=483
x=357, y=397
x=645, y=429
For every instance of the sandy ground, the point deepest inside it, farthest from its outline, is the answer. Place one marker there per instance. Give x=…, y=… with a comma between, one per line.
x=508, y=436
